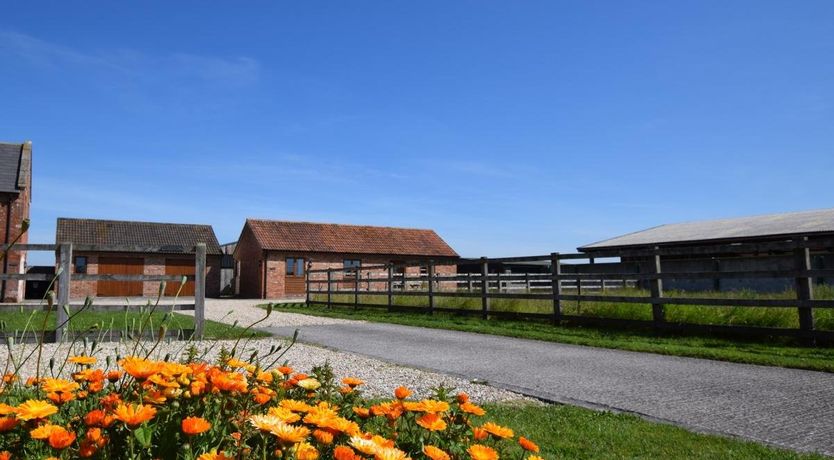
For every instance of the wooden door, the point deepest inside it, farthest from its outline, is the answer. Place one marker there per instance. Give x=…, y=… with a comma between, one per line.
x=120, y=266
x=294, y=281
x=179, y=267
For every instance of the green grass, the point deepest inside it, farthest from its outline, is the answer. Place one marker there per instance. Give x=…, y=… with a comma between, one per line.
x=772, y=352
x=695, y=314
x=16, y=321
x=572, y=432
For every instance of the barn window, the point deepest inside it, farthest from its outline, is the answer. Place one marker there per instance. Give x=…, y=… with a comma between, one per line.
x=295, y=266
x=80, y=264
x=350, y=265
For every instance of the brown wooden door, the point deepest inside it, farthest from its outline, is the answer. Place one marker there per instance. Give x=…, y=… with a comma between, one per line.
x=179, y=267
x=294, y=281
x=120, y=266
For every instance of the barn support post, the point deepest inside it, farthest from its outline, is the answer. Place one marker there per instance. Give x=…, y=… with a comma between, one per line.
x=200, y=290
x=556, y=286
x=64, y=280
x=804, y=288
x=484, y=288
x=390, y=286
x=329, y=288
x=656, y=286
x=430, y=272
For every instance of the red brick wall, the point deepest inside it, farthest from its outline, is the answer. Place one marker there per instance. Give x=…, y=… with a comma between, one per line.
x=248, y=256
x=154, y=264
x=17, y=210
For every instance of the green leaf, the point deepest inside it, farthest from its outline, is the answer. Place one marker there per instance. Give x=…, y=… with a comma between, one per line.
x=143, y=435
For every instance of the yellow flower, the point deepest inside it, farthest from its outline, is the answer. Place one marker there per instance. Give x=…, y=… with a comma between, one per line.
x=390, y=453
x=309, y=384
x=289, y=433
x=480, y=452
x=295, y=406
x=133, y=415
x=43, y=431
x=305, y=451
x=50, y=385
x=284, y=414
x=497, y=430
x=35, y=409
x=83, y=360
x=435, y=453
x=430, y=405
x=264, y=422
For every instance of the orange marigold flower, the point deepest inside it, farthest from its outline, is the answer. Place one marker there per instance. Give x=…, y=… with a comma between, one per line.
x=195, y=425
x=134, y=415
x=497, y=430
x=7, y=423
x=305, y=451
x=60, y=438
x=352, y=381
x=462, y=398
x=5, y=455
x=286, y=370
x=345, y=453
x=430, y=405
x=323, y=436
x=138, y=368
x=284, y=414
x=470, y=408
x=479, y=434
x=35, y=409
x=60, y=398
x=362, y=412
x=288, y=433
x=6, y=409
x=83, y=360
x=95, y=436
x=535, y=457
x=111, y=400
x=87, y=449
x=391, y=410
x=432, y=422
x=114, y=375
x=214, y=455
x=43, y=431
x=527, y=444
x=434, y=453
x=98, y=418
x=50, y=385
x=402, y=392
x=229, y=381
x=480, y=452
x=9, y=378
x=294, y=405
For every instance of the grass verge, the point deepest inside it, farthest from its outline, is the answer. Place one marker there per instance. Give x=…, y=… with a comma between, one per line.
x=572, y=432
x=773, y=352
x=16, y=321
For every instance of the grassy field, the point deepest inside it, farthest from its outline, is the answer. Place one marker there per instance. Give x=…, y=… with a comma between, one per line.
x=572, y=432
x=16, y=321
x=737, y=316
x=765, y=352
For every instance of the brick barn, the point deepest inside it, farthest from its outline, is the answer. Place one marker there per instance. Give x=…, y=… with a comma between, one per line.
x=272, y=256
x=15, y=199
x=178, y=242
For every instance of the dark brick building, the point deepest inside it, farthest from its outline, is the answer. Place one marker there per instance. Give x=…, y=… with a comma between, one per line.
x=272, y=256
x=176, y=258
x=15, y=199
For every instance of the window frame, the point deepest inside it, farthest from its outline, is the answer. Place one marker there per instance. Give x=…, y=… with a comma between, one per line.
x=75, y=265
x=348, y=266
x=299, y=269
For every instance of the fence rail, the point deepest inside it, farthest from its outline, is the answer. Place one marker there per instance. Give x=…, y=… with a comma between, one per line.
x=65, y=276
x=560, y=285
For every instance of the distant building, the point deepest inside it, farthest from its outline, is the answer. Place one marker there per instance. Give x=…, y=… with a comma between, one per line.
x=272, y=256
x=703, y=236
x=178, y=242
x=15, y=199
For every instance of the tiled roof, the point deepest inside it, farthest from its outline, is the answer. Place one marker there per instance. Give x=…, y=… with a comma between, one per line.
x=179, y=237
x=11, y=167
x=348, y=239
x=771, y=225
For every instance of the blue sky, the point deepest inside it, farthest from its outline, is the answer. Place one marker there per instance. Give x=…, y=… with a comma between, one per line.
x=509, y=127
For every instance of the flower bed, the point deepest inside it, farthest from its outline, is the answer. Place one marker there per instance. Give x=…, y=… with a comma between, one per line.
x=191, y=409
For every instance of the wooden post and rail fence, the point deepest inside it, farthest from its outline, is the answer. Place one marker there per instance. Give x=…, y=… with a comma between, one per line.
x=64, y=277
x=561, y=284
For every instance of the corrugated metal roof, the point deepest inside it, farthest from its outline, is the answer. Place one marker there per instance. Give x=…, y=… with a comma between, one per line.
x=131, y=233
x=771, y=225
x=9, y=167
x=348, y=239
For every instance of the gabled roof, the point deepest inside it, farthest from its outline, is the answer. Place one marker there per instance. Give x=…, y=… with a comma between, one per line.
x=764, y=226
x=348, y=239
x=15, y=166
x=181, y=238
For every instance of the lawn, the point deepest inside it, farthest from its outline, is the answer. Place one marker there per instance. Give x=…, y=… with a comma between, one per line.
x=572, y=432
x=16, y=321
x=771, y=352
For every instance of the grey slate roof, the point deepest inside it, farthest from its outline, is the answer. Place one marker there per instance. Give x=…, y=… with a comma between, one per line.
x=131, y=233
x=771, y=225
x=10, y=155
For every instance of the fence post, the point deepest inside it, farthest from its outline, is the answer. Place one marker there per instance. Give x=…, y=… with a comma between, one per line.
x=716, y=267
x=63, y=290
x=556, y=286
x=804, y=287
x=430, y=272
x=307, y=282
x=404, y=286
x=527, y=281
x=484, y=288
x=498, y=280
x=469, y=282
x=329, y=288
x=390, y=286
x=200, y=290
x=658, y=316
x=356, y=277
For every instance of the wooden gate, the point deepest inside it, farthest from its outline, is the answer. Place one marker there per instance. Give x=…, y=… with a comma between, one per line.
x=179, y=267
x=120, y=266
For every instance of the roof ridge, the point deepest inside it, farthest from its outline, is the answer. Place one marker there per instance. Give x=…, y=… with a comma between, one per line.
x=336, y=224
x=129, y=221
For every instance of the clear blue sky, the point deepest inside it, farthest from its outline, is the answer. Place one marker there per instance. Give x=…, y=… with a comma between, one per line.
x=509, y=127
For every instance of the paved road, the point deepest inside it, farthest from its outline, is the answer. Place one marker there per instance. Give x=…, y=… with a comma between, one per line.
x=785, y=407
